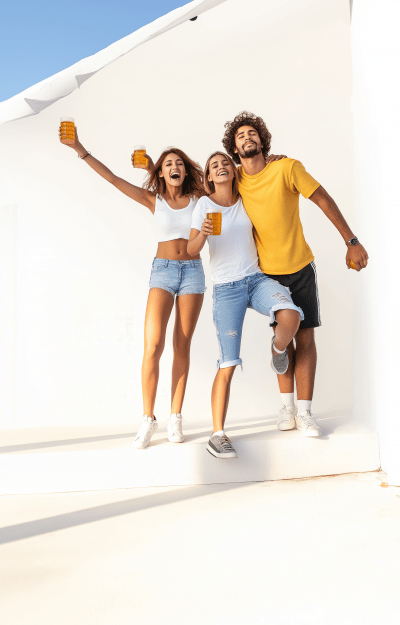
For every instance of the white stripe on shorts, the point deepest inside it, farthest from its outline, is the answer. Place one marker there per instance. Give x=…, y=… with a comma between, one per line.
x=316, y=287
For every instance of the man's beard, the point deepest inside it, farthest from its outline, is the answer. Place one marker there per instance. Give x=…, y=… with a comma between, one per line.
x=250, y=153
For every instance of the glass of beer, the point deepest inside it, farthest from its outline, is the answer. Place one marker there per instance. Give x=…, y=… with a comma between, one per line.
x=216, y=218
x=139, y=158
x=68, y=129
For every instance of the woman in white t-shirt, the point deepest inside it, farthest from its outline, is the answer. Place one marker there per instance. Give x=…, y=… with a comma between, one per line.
x=173, y=187
x=239, y=284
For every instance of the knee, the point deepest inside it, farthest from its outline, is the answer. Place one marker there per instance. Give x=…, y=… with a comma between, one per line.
x=181, y=348
x=153, y=350
x=288, y=318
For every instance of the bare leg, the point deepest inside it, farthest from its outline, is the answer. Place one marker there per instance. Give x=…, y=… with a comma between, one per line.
x=288, y=324
x=158, y=311
x=220, y=396
x=286, y=380
x=306, y=363
x=302, y=365
x=187, y=310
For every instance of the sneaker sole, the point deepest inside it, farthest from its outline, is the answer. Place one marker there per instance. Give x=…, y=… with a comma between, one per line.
x=310, y=434
x=229, y=454
x=283, y=428
x=173, y=440
x=136, y=447
x=278, y=372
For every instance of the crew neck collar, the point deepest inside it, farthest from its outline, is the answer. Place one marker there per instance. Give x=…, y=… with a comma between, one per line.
x=254, y=175
x=220, y=205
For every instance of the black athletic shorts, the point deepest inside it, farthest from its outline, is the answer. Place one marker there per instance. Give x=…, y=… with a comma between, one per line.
x=303, y=288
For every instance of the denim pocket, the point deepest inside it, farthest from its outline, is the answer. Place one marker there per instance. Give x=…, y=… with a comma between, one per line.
x=157, y=266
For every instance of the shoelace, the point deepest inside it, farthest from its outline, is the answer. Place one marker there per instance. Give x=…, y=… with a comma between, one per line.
x=226, y=443
x=144, y=429
x=308, y=418
x=288, y=414
x=176, y=427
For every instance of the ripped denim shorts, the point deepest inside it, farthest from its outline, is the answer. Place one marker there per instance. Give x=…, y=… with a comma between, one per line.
x=178, y=277
x=230, y=303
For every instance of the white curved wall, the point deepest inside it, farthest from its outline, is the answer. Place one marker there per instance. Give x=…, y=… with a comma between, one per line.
x=376, y=104
x=84, y=251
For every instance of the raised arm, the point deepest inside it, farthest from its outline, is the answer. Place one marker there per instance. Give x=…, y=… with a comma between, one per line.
x=198, y=238
x=138, y=194
x=356, y=254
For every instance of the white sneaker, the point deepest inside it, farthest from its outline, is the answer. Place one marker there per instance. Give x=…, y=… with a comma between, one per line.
x=174, y=428
x=286, y=418
x=147, y=427
x=307, y=424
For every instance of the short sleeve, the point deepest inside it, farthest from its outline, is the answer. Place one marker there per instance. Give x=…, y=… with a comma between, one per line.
x=198, y=215
x=300, y=180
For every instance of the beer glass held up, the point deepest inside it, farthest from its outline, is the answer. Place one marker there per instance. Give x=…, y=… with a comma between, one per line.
x=67, y=125
x=216, y=218
x=139, y=157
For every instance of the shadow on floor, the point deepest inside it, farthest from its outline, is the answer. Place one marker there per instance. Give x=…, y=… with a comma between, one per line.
x=29, y=529
x=71, y=441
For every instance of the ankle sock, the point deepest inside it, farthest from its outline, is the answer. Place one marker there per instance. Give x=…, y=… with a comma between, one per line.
x=278, y=351
x=287, y=399
x=219, y=433
x=303, y=405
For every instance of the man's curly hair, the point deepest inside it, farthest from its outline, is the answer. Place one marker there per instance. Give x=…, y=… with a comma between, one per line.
x=245, y=119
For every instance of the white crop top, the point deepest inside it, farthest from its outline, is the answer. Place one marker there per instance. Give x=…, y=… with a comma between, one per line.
x=173, y=223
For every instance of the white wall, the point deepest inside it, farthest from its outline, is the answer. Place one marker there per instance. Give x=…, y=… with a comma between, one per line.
x=84, y=250
x=376, y=104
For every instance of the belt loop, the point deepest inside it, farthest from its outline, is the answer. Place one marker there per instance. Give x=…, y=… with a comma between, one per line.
x=166, y=263
x=192, y=263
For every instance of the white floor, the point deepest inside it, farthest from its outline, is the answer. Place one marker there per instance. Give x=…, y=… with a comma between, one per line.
x=47, y=460
x=316, y=551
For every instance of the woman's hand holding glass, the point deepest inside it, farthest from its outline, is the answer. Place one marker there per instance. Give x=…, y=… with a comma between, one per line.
x=207, y=227
x=139, y=164
x=67, y=140
x=75, y=144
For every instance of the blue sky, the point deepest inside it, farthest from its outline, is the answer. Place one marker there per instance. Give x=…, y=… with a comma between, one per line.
x=39, y=39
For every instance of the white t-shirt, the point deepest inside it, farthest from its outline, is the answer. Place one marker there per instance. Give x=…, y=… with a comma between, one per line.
x=173, y=223
x=233, y=253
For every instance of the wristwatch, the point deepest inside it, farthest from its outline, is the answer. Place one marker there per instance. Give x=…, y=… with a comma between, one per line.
x=353, y=241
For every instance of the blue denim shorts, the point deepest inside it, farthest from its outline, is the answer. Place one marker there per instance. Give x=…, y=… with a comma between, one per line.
x=230, y=303
x=178, y=277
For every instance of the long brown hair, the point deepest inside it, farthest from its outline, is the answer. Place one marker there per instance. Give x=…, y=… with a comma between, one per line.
x=210, y=186
x=192, y=184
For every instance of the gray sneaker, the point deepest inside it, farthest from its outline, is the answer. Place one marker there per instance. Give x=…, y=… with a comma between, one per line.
x=279, y=362
x=221, y=447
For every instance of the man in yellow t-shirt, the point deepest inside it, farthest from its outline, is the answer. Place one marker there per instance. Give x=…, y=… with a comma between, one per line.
x=270, y=188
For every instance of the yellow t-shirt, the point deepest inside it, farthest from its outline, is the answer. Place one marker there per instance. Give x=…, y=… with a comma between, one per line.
x=271, y=199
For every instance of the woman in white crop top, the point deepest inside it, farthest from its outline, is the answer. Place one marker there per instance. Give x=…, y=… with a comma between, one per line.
x=171, y=191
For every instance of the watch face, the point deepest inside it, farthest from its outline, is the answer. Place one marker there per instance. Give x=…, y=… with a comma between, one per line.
x=353, y=241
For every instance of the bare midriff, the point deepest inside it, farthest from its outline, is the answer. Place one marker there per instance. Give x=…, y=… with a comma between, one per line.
x=175, y=250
